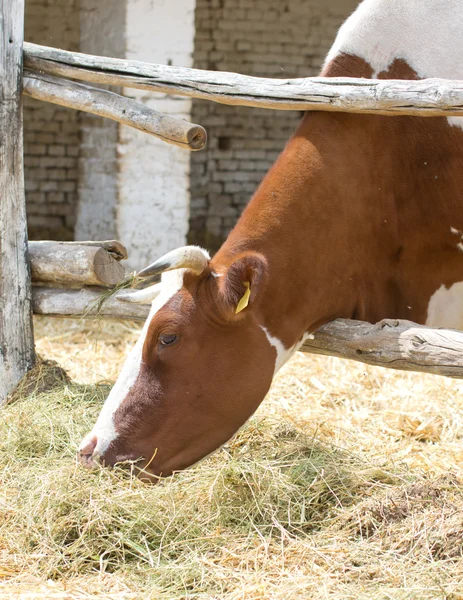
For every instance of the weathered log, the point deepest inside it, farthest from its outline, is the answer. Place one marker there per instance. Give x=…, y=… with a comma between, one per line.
x=117, y=250
x=393, y=344
x=113, y=106
x=74, y=264
x=16, y=335
x=85, y=303
x=426, y=98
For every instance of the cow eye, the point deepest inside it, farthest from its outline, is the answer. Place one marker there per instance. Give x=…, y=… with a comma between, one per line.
x=167, y=339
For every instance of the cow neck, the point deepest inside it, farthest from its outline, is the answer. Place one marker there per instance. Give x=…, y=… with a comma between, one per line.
x=325, y=219
x=299, y=220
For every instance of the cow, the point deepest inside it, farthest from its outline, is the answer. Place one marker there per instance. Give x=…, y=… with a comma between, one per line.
x=361, y=217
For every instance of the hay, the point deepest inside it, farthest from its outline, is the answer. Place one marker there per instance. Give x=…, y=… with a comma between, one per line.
x=45, y=376
x=346, y=484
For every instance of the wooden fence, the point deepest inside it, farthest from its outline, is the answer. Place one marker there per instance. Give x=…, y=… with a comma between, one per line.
x=46, y=76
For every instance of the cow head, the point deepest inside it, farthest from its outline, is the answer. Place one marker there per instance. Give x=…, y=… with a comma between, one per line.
x=202, y=365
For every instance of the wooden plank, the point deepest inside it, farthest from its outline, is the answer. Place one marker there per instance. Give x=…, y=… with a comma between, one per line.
x=117, y=250
x=16, y=335
x=73, y=264
x=392, y=343
x=426, y=98
x=85, y=303
x=113, y=106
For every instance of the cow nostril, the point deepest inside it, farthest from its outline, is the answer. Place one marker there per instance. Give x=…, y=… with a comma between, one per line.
x=86, y=453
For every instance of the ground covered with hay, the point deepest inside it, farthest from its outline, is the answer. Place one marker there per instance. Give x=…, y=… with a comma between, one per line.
x=347, y=484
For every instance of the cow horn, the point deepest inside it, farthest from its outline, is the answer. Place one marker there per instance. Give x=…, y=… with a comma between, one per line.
x=187, y=257
x=145, y=296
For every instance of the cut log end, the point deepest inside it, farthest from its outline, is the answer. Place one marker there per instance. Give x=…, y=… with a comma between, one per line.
x=107, y=270
x=197, y=138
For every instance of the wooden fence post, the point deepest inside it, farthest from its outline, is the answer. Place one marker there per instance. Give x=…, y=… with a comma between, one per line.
x=16, y=334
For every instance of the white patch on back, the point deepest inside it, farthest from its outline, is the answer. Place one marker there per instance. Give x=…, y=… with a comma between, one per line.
x=455, y=121
x=427, y=35
x=445, y=308
x=283, y=354
x=104, y=428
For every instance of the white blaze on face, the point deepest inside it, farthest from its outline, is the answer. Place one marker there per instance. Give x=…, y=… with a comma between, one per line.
x=445, y=308
x=104, y=429
x=426, y=35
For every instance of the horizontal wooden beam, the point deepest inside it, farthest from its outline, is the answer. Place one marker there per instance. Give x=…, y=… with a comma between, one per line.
x=392, y=343
x=85, y=303
x=113, y=106
x=426, y=98
x=69, y=264
x=117, y=250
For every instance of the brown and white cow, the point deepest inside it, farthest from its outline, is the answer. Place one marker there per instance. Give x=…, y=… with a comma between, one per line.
x=361, y=217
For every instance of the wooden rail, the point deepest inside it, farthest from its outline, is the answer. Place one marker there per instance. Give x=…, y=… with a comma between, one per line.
x=74, y=264
x=425, y=98
x=391, y=343
x=85, y=303
x=113, y=106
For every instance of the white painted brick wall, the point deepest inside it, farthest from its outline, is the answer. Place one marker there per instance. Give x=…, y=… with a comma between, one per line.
x=153, y=180
x=137, y=188
x=102, y=26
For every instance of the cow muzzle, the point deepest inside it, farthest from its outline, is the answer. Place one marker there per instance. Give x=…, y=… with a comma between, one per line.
x=86, y=453
x=90, y=457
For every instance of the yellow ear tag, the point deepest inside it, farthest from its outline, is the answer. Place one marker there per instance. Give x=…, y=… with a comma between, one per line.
x=245, y=299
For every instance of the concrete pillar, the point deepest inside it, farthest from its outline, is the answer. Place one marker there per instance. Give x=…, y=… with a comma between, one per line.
x=153, y=177
x=102, y=27
x=132, y=186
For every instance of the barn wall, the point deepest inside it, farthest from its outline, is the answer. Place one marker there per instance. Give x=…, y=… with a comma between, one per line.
x=271, y=38
x=153, y=179
x=51, y=133
x=130, y=185
x=102, y=27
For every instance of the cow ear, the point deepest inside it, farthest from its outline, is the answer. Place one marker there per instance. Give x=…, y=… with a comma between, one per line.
x=242, y=285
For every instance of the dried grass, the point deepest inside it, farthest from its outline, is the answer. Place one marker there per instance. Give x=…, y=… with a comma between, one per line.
x=346, y=484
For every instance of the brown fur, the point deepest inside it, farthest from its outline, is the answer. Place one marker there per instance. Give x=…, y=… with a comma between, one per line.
x=192, y=397
x=352, y=221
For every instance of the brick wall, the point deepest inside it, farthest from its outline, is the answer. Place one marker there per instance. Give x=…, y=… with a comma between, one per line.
x=68, y=154
x=102, y=32
x=51, y=133
x=271, y=38
x=153, y=178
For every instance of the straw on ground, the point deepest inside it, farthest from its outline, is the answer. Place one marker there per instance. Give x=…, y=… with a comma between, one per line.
x=346, y=484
